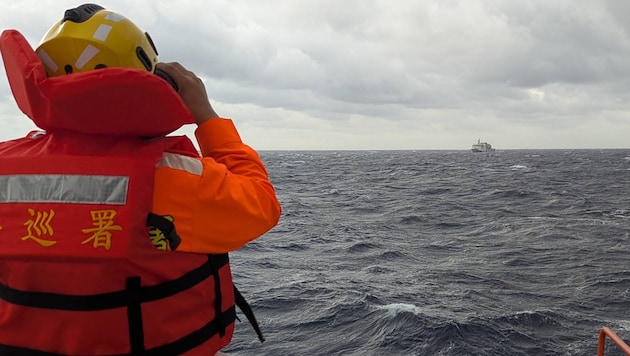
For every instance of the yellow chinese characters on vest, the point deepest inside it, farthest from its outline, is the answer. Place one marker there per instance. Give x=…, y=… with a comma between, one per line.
x=39, y=228
x=103, y=221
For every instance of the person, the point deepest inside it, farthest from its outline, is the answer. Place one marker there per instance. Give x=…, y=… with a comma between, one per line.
x=115, y=234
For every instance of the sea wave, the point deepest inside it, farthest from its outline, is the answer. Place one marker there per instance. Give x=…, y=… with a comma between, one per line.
x=440, y=253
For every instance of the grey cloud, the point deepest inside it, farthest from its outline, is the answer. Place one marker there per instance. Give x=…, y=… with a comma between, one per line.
x=560, y=42
x=448, y=63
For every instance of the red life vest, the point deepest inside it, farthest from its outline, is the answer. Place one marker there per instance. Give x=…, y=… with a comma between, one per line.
x=78, y=273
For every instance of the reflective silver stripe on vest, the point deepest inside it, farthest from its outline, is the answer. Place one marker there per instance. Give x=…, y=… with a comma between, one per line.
x=185, y=163
x=63, y=188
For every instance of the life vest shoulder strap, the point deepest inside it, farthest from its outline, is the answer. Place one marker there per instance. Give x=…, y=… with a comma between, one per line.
x=249, y=313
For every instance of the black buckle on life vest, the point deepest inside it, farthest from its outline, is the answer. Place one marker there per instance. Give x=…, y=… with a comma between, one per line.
x=167, y=227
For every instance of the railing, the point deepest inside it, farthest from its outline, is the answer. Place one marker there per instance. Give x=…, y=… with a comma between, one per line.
x=601, y=343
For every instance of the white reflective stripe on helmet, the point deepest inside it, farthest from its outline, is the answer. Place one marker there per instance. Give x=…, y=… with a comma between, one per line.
x=61, y=188
x=49, y=62
x=102, y=32
x=184, y=163
x=88, y=53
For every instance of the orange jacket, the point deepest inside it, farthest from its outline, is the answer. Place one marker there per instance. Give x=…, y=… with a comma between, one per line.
x=218, y=202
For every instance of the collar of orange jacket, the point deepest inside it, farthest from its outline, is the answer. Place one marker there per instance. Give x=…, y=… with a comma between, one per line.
x=114, y=101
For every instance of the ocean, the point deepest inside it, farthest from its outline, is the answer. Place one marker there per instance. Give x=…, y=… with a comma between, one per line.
x=515, y=252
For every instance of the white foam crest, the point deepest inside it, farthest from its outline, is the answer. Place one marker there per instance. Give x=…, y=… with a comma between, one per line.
x=624, y=325
x=587, y=221
x=398, y=308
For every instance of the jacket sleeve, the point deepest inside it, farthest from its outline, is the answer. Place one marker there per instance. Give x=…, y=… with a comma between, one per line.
x=218, y=202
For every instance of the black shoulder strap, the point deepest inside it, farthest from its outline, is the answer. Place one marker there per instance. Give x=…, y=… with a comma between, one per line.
x=249, y=313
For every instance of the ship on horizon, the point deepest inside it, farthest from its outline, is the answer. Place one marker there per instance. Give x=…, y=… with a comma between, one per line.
x=482, y=147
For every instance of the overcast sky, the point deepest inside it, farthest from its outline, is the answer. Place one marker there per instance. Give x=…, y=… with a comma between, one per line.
x=383, y=74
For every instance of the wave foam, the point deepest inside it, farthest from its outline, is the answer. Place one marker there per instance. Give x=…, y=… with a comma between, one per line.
x=399, y=308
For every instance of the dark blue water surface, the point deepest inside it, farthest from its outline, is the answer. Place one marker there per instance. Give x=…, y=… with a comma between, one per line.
x=441, y=253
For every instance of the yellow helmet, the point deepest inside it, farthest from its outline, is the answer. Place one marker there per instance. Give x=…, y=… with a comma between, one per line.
x=91, y=37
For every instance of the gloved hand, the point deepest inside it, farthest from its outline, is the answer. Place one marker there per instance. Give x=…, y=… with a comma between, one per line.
x=191, y=90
